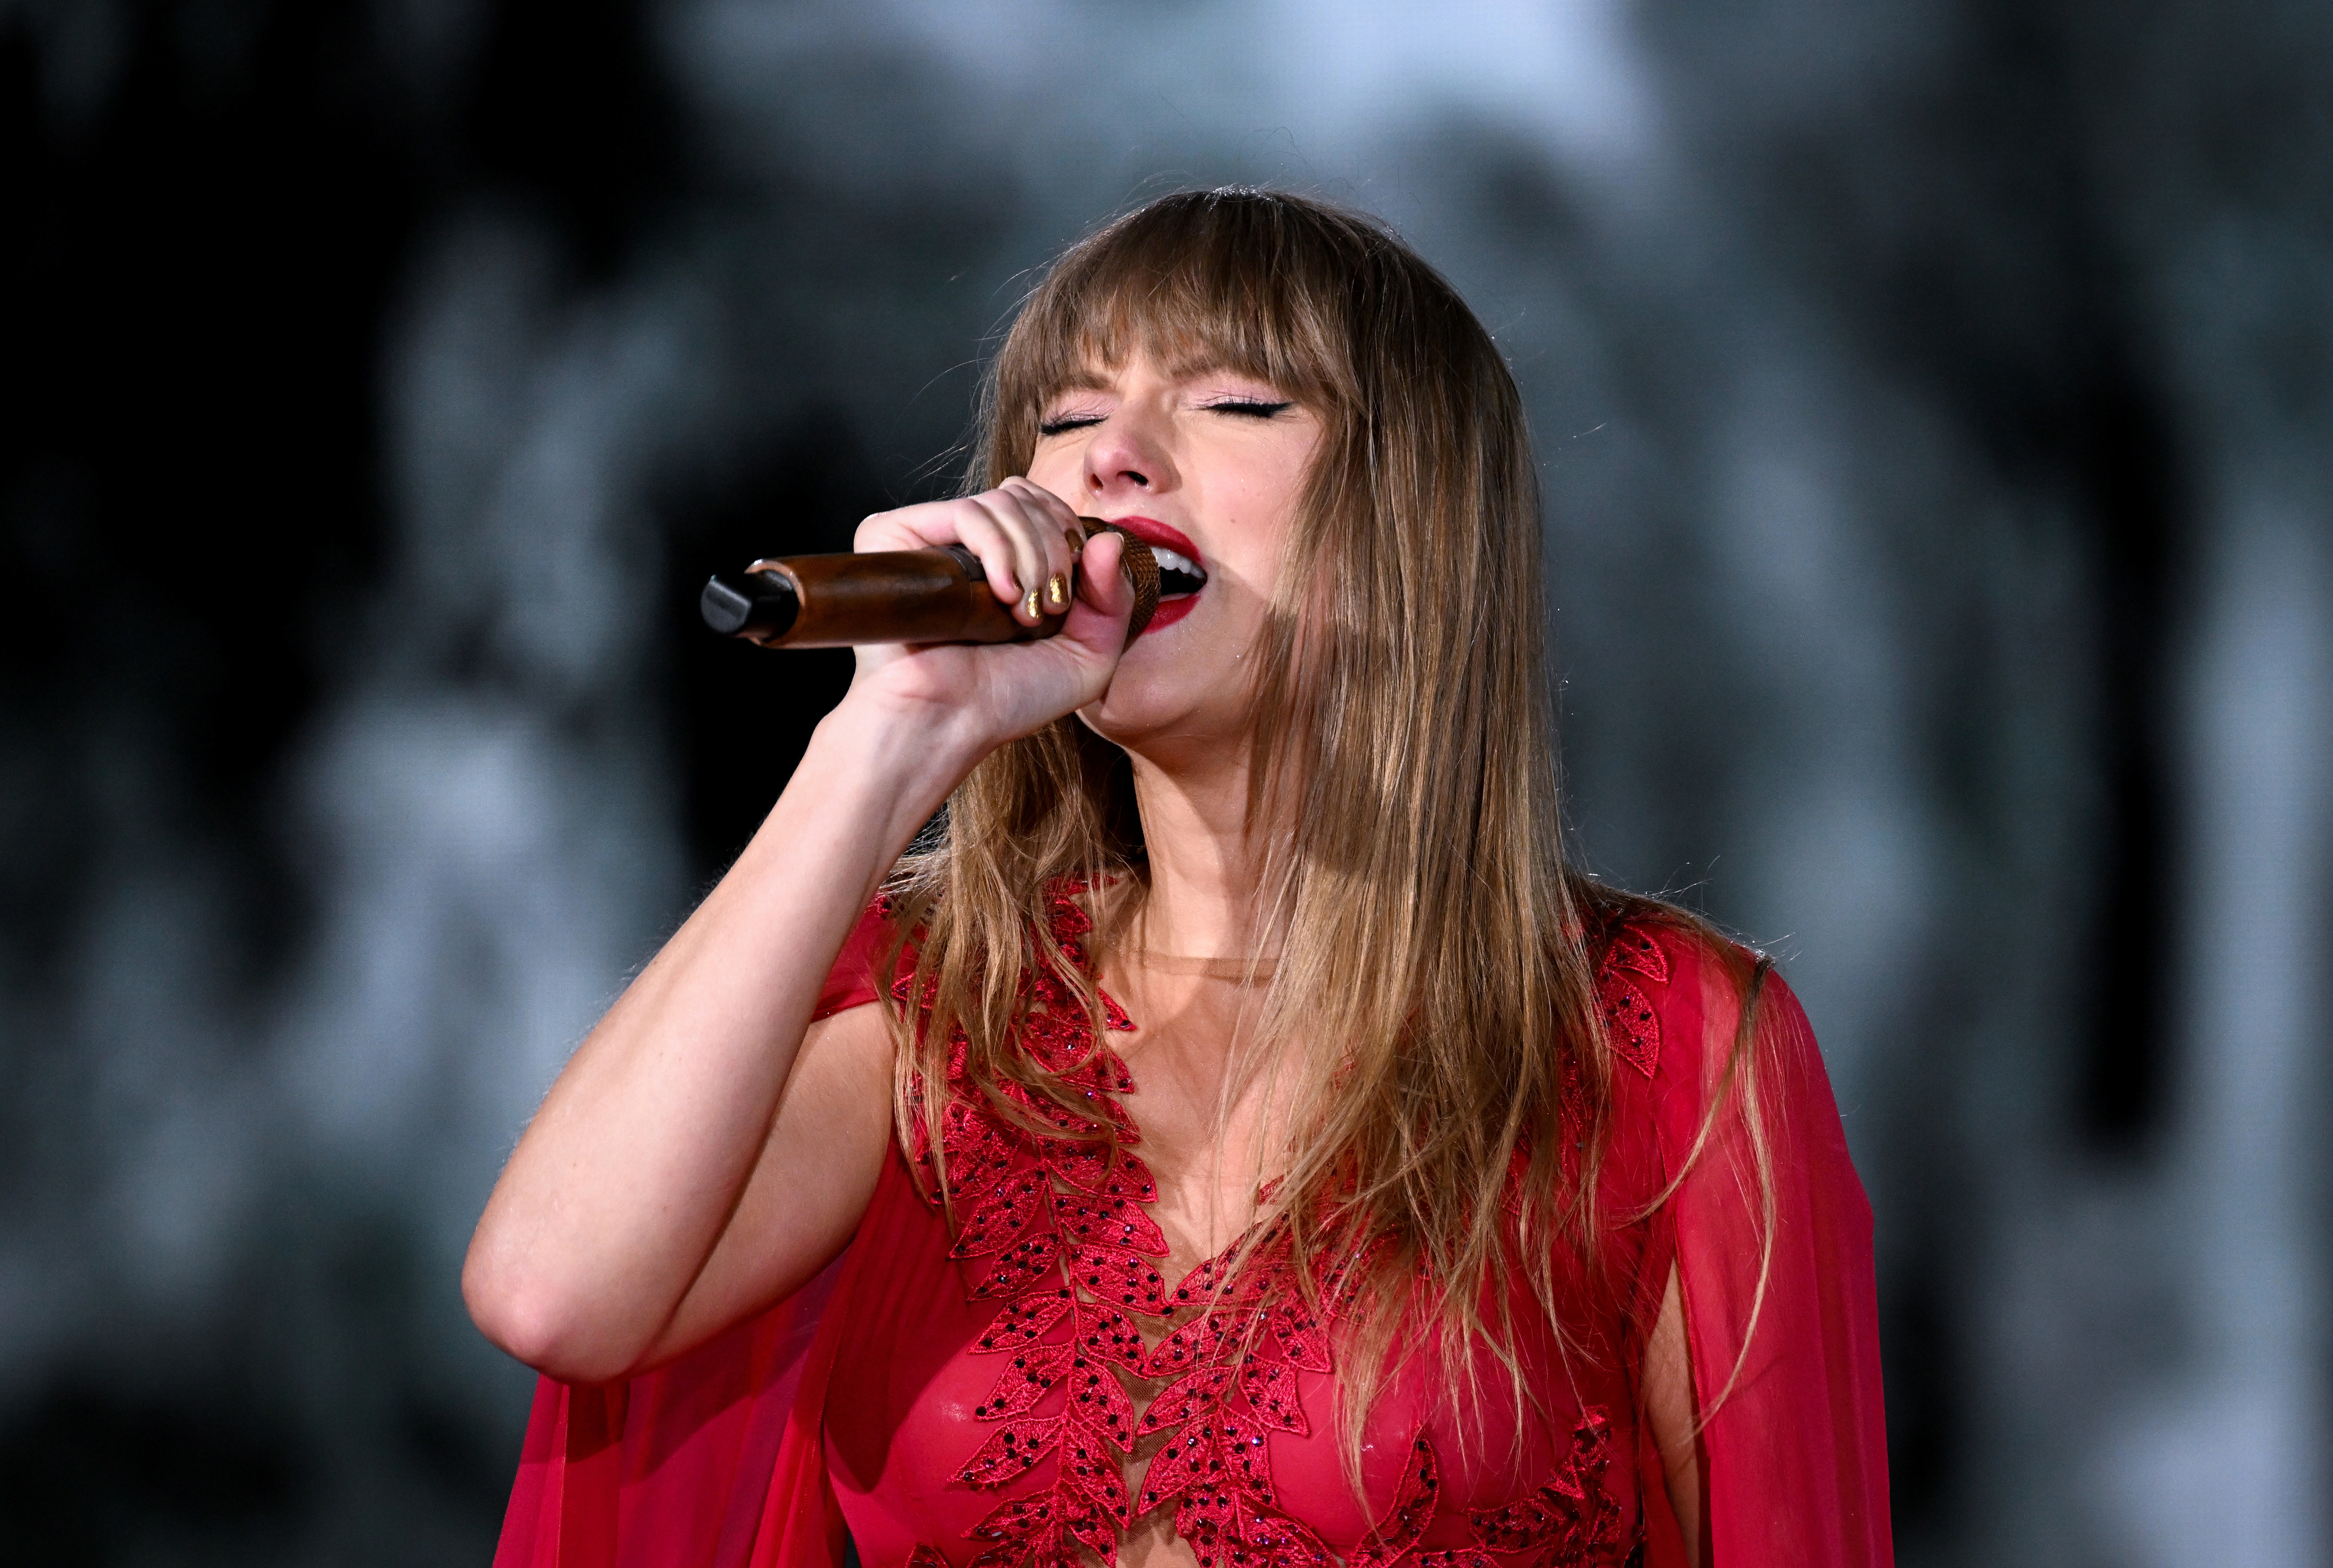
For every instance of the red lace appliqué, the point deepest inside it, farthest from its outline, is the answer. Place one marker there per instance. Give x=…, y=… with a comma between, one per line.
x=1571, y=1519
x=1629, y=1020
x=1069, y=1242
x=1233, y=1373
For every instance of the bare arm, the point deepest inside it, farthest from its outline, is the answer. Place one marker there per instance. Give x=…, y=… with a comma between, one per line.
x=707, y=1150
x=1672, y=1411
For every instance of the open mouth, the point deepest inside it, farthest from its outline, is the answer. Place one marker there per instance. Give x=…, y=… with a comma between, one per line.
x=1180, y=575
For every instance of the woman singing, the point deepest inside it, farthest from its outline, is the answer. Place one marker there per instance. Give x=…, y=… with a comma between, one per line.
x=1232, y=1136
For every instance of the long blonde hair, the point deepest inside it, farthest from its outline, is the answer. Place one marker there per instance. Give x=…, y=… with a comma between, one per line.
x=1434, y=962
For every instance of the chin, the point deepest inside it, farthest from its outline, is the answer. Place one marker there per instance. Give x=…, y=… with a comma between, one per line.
x=1139, y=705
x=1167, y=707
x=1128, y=718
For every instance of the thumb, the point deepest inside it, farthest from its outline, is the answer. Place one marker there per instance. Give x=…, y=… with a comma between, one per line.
x=1103, y=592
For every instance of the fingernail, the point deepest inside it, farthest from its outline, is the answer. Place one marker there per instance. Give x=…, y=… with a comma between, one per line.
x=1029, y=605
x=1057, y=591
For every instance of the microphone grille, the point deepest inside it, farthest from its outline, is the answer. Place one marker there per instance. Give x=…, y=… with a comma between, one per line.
x=1141, y=570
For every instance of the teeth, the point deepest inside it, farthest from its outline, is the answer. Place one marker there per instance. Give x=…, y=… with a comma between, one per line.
x=1169, y=561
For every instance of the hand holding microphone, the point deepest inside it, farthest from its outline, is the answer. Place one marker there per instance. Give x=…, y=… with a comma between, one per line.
x=935, y=595
x=931, y=581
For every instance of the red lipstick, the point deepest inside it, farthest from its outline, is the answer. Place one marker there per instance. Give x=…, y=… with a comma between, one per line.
x=1150, y=530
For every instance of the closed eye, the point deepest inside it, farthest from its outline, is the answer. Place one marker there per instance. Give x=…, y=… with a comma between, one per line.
x=1249, y=407
x=1066, y=423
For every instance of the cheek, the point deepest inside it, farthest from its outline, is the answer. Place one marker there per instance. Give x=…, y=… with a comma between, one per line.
x=1250, y=554
x=1057, y=471
x=1274, y=491
x=1294, y=467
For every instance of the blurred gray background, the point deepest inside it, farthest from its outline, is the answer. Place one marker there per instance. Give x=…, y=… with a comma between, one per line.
x=1935, y=401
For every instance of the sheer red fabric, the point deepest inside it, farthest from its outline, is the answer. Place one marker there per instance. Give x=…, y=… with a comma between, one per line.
x=953, y=1398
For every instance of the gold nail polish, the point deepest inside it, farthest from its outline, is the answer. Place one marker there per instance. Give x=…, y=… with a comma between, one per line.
x=1057, y=592
x=1029, y=605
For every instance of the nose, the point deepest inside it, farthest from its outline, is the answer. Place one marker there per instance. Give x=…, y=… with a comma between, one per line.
x=1128, y=456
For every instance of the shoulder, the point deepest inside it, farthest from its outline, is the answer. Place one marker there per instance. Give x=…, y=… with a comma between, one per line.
x=1711, y=1048
x=1661, y=977
x=1685, y=1010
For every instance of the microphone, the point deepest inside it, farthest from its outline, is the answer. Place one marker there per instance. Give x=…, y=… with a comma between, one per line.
x=900, y=595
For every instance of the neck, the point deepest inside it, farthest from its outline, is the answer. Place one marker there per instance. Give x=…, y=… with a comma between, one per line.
x=1205, y=862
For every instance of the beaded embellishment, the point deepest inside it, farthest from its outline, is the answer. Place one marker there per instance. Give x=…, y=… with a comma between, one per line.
x=1629, y=1020
x=1069, y=1250
x=1570, y=1519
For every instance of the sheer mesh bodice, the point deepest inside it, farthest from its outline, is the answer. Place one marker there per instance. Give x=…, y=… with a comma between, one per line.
x=976, y=1396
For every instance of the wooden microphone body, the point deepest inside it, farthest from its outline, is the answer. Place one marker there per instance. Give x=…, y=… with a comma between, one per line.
x=905, y=595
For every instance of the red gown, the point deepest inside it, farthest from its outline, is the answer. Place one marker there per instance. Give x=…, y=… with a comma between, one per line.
x=952, y=1400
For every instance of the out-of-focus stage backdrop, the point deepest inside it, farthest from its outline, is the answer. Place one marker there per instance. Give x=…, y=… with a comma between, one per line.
x=1936, y=409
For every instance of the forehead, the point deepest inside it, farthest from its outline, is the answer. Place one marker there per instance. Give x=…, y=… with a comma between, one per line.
x=1093, y=372
x=1099, y=345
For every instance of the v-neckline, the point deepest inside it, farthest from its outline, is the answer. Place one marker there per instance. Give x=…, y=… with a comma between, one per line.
x=1217, y=1260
